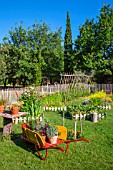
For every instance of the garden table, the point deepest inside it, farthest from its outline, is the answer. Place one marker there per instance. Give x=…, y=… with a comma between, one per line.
x=8, y=121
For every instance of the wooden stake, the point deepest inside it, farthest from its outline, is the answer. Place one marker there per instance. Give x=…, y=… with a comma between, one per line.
x=80, y=123
x=63, y=119
x=75, y=124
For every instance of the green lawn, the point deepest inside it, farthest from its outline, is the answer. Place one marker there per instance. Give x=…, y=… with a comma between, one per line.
x=15, y=154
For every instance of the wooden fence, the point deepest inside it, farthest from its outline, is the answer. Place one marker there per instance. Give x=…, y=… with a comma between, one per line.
x=12, y=93
x=77, y=116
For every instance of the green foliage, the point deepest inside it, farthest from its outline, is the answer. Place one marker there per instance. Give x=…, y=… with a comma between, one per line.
x=38, y=126
x=69, y=94
x=96, y=101
x=32, y=103
x=70, y=135
x=68, y=50
x=41, y=127
x=73, y=108
x=3, y=75
x=32, y=124
x=51, y=131
x=3, y=102
x=85, y=106
x=53, y=56
x=28, y=54
x=93, y=47
x=76, y=107
x=54, y=100
x=84, y=45
x=73, y=91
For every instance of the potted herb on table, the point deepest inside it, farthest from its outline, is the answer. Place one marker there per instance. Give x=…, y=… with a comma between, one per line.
x=14, y=107
x=2, y=104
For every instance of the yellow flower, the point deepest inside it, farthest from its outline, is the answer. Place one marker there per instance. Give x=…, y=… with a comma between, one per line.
x=101, y=95
x=21, y=102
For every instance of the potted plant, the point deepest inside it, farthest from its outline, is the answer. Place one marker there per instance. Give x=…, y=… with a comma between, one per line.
x=2, y=104
x=91, y=110
x=14, y=107
x=39, y=127
x=52, y=134
x=33, y=124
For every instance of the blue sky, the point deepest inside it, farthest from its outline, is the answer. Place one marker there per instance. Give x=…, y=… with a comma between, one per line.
x=53, y=12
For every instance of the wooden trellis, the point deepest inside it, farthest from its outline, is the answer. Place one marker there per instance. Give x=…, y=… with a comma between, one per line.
x=76, y=78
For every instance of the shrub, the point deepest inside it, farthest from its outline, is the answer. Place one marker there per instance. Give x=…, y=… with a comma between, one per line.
x=52, y=100
x=32, y=103
x=101, y=96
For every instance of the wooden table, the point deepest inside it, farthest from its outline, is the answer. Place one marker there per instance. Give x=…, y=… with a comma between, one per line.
x=8, y=121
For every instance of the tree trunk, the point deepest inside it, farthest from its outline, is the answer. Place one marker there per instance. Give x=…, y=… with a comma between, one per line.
x=5, y=83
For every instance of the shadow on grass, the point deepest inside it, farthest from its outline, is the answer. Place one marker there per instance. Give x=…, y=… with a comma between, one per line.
x=67, y=115
x=1, y=130
x=16, y=138
x=28, y=146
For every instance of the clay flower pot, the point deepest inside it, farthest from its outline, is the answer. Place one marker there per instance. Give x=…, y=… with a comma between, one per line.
x=53, y=140
x=52, y=134
x=2, y=109
x=14, y=110
x=14, y=107
x=3, y=102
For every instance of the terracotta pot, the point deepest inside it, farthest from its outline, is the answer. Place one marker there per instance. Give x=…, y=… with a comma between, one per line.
x=2, y=109
x=43, y=138
x=53, y=140
x=14, y=110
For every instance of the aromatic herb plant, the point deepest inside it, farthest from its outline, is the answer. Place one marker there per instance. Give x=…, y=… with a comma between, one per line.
x=51, y=131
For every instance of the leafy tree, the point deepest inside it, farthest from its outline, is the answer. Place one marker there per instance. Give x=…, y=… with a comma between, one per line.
x=17, y=56
x=53, y=56
x=25, y=54
x=85, y=47
x=104, y=43
x=94, y=45
x=47, y=50
x=3, y=75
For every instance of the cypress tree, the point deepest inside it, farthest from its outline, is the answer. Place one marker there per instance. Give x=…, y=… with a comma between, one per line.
x=68, y=51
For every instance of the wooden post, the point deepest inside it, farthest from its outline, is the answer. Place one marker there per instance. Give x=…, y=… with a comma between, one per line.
x=43, y=115
x=80, y=123
x=7, y=126
x=75, y=124
x=16, y=120
x=63, y=119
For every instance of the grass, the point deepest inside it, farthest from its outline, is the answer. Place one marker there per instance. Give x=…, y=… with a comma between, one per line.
x=16, y=154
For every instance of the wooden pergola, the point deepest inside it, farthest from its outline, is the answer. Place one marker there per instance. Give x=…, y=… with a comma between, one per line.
x=77, y=78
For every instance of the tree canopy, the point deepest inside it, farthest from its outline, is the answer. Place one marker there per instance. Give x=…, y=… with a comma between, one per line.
x=94, y=45
x=27, y=55
x=30, y=53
